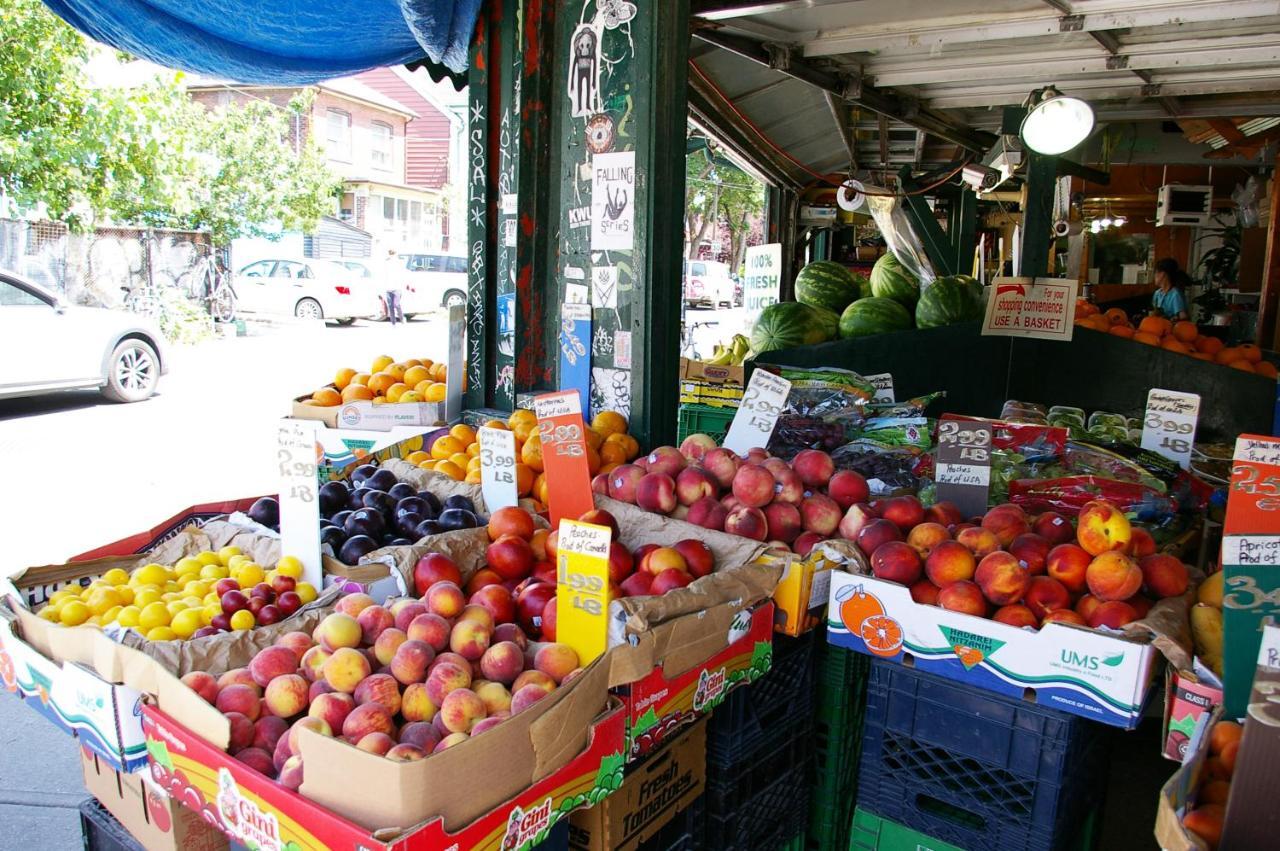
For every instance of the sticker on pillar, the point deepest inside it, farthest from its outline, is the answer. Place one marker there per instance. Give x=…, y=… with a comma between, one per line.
x=600, y=132
x=575, y=360
x=612, y=14
x=604, y=286
x=507, y=324
x=610, y=390
x=584, y=71
x=580, y=217
x=576, y=294
x=622, y=349
x=601, y=343
x=509, y=233
x=613, y=184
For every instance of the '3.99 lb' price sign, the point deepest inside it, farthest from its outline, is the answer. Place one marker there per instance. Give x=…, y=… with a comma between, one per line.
x=582, y=590
x=763, y=401
x=1169, y=426
x=964, y=465
x=299, y=496
x=564, y=455
x=498, y=468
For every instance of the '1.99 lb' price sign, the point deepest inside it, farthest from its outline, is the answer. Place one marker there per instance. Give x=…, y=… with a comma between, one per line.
x=1250, y=562
x=964, y=465
x=763, y=401
x=564, y=455
x=582, y=590
x=498, y=468
x=1169, y=426
x=299, y=496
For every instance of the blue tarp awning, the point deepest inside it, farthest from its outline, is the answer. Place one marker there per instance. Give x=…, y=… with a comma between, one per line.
x=288, y=42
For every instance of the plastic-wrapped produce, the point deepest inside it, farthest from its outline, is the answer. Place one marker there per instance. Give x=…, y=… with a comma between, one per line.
x=888, y=471
x=1103, y=418
x=1024, y=412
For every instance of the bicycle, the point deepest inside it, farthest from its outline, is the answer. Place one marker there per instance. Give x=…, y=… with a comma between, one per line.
x=213, y=284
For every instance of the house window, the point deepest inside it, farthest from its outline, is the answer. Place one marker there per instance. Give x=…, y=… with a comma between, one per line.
x=388, y=208
x=338, y=134
x=381, y=145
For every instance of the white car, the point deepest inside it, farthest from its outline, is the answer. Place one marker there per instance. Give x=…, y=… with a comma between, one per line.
x=708, y=283
x=47, y=345
x=307, y=289
x=433, y=281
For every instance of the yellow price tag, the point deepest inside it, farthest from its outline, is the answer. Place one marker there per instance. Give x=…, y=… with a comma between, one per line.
x=582, y=595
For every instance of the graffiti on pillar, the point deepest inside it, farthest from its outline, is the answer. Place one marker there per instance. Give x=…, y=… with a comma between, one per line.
x=610, y=390
x=614, y=13
x=584, y=71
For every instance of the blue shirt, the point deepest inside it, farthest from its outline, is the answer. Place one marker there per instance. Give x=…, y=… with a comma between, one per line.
x=1169, y=303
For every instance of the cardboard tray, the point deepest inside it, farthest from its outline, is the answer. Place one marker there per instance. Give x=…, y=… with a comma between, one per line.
x=1179, y=790
x=367, y=416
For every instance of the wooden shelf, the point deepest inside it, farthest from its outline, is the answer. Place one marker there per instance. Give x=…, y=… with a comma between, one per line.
x=1106, y=293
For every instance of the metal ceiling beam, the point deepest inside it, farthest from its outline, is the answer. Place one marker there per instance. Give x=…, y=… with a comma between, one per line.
x=1091, y=16
x=840, y=113
x=721, y=10
x=711, y=112
x=884, y=103
x=1208, y=82
x=1237, y=106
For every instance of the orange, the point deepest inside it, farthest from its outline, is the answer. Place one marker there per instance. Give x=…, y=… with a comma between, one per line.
x=1116, y=316
x=427, y=362
x=473, y=464
x=523, y=430
x=524, y=479
x=593, y=460
x=531, y=452
x=1122, y=331
x=451, y=470
x=1210, y=345
x=1251, y=353
x=628, y=443
x=396, y=370
x=395, y=391
x=417, y=457
x=1223, y=734
x=609, y=422
x=857, y=607
x=1172, y=345
x=360, y=378
x=421, y=386
x=415, y=375
x=357, y=393
x=435, y=392
x=882, y=634
x=379, y=382
x=380, y=363
x=445, y=446
x=1085, y=308
x=1185, y=331
x=593, y=438
x=474, y=450
x=427, y=465
x=612, y=453
x=327, y=397
x=438, y=372
x=464, y=433
x=408, y=362
x=1266, y=368
x=1149, y=339
x=411, y=396
x=498, y=424
x=609, y=468
x=343, y=378
x=1228, y=354
x=473, y=477
x=1156, y=325
x=460, y=459
x=1242, y=365
x=1098, y=323
x=540, y=489
x=521, y=415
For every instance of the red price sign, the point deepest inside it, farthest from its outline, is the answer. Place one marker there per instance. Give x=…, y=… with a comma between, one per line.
x=564, y=454
x=1253, y=502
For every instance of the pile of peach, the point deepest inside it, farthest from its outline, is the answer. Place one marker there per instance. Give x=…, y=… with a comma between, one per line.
x=1020, y=570
x=403, y=680
x=1182, y=337
x=1205, y=818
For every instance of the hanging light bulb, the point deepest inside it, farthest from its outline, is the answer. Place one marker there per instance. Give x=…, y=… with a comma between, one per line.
x=1055, y=123
x=1119, y=221
x=1106, y=222
x=1094, y=226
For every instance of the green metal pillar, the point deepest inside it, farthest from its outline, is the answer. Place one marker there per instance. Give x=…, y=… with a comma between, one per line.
x=937, y=246
x=1037, y=214
x=962, y=227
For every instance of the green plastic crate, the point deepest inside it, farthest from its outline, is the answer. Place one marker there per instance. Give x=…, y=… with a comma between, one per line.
x=704, y=419
x=870, y=832
x=841, y=699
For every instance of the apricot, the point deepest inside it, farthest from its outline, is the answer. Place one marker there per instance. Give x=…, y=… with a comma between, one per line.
x=1223, y=734
x=1113, y=576
x=1205, y=822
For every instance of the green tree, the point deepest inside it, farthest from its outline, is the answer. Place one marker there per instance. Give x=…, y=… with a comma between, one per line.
x=719, y=193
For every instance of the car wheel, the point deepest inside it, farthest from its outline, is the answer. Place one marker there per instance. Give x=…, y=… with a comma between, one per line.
x=132, y=373
x=346, y=321
x=308, y=308
x=454, y=298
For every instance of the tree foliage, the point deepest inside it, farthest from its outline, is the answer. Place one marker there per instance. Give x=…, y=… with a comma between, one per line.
x=89, y=154
x=719, y=194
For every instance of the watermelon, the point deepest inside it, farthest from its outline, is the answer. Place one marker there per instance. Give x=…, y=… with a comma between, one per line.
x=948, y=301
x=890, y=279
x=829, y=322
x=826, y=284
x=874, y=315
x=864, y=286
x=785, y=325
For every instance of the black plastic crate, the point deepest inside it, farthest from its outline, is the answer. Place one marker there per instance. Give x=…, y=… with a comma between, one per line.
x=685, y=832
x=772, y=707
x=770, y=818
x=976, y=769
x=101, y=831
x=840, y=700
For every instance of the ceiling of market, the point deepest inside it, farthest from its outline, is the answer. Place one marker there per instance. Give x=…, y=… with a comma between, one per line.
x=949, y=66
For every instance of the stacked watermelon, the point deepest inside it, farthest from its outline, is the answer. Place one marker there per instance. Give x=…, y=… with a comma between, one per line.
x=890, y=279
x=948, y=301
x=827, y=285
x=873, y=315
x=789, y=324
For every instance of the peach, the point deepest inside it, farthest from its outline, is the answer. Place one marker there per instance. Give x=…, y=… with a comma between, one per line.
x=462, y=708
x=316, y=724
x=298, y=642
x=510, y=632
x=925, y=593
x=1068, y=564
x=511, y=520
x=747, y=522
x=338, y=630
x=1086, y=605
x=502, y=662
x=410, y=611
x=485, y=724
x=950, y=562
x=787, y=486
x=623, y=481
x=855, y=519
x=1113, y=614
x=693, y=484
x=814, y=467
x=944, y=514
x=1044, y=595
x=695, y=446
x=1032, y=552
x=981, y=542
x=318, y=688
x=387, y=643
x=478, y=614
x=783, y=522
x=1054, y=528
x=495, y=696
x=365, y=719
x=444, y=678
x=257, y=759
x=291, y=773
x=444, y=599
x=722, y=465
x=354, y=604
x=656, y=492
x=203, y=684
x=416, y=704
x=470, y=639
x=877, y=533
x=242, y=731
x=511, y=557
x=240, y=698
x=1113, y=576
x=272, y=662
x=667, y=580
x=1017, y=615
x=926, y=536
x=451, y=740
x=1205, y=821
x=636, y=585
x=1102, y=527
x=1164, y=576
x=698, y=557
x=905, y=512
x=281, y=752
x=497, y=600
x=963, y=596
x=405, y=753
x=313, y=662
x=533, y=677
x=453, y=659
x=420, y=734
x=1002, y=579
x=556, y=660
x=411, y=661
x=820, y=515
x=526, y=697
x=1063, y=616
x=1140, y=604
x=345, y=669
x=707, y=513
x=267, y=731
x=373, y=621
x=332, y=708
x=431, y=629
x=286, y=695
x=804, y=544
x=378, y=743
x=1141, y=544
x=753, y=486
x=665, y=460
x=379, y=688
x=848, y=488
x=1006, y=522
x=896, y=562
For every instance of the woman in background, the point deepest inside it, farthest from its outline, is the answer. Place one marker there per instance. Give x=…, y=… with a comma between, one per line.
x=1169, y=300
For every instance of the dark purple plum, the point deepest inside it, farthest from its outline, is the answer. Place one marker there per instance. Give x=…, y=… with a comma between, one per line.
x=400, y=490
x=266, y=511
x=355, y=548
x=361, y=474
x=457, y=518
x=406, y=523
x=461, y=502
x=334, y=537
x=428, y=527
x=333, y=496
x=412, y=505
x=431, y=500
x=383, y=480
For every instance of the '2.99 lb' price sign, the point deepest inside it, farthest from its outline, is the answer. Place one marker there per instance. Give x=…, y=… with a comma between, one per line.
x=964, y=465
x=498, y=468
x=763, y=401
x=582, y=590
x=564, y=455
x=1250, y=562
x=299, y=496
x=1169, y=426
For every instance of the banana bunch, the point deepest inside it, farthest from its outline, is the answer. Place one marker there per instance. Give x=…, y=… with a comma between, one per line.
x=1206, y=623
x=733, y=354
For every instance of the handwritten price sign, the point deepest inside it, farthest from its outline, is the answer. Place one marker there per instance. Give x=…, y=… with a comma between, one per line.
x=1169, y=426
x=964, y=465
x=763, y=401
x=299, y=489
x=564, y=454
x=498, y=468
x=582, y=592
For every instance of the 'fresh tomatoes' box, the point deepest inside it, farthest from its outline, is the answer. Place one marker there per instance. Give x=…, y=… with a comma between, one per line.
x=1085, y=672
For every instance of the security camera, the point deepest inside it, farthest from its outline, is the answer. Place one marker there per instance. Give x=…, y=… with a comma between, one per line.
x=980, y=178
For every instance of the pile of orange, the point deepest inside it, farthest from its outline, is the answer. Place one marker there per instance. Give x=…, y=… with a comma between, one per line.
x=387, y=381
x=456, y=455
x=1181, y=337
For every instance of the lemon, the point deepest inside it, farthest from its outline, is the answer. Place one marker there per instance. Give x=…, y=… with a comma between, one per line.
x=196, y=587
x=126, y=593
x=153, y=615
x=50, y=613
x=226, y=553
x=214, y=572
x=161, y=633
x=74, y=613
x=243, y=620
x=145, y=596
x=305, y=591
x=188, y=564
x=289, y=566
x=115, y=576
x=237, y=560
x=128, y=616
x=151, y=574
x=64, y=594
x=94, y=621
x=380, y=363
x=175, y=606
x=170, y=596
x=186, y=622
x=249, y=574
x=207, y=557
x=172, y=587
x=102, y=599
x=110, y=615
x=210, y=611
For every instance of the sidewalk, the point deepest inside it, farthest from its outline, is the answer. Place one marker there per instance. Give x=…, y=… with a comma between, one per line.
x=41, y=785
